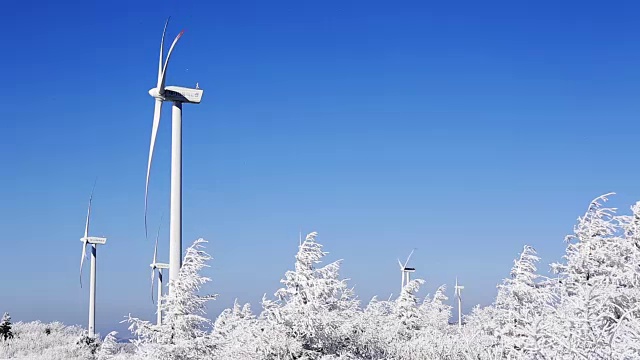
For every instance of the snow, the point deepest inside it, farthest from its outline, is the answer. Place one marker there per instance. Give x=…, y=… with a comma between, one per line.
x=590, y=309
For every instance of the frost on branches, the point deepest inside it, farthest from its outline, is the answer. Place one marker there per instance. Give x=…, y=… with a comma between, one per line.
x=109, y=347
x=588, y=309
x=599, y=286
x=314, y=304
x=183, y=332
x=5, y=327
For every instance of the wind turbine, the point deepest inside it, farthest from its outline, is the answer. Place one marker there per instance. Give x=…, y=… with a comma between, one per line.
x=177, y=95
x=157, y=266
x=94, y=241
x=406, y=271
x=458, y=293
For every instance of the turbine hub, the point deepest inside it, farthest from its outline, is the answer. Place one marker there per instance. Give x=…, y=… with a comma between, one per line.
x=155, y=93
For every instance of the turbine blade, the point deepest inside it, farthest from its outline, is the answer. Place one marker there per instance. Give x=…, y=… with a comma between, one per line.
x=155, y=249
x=400, y=263
x=86, y=226
x=84, y=254
x=161, y=52
x=154, y=133
x=166, y=63
x=409, y=257
x=155, y=254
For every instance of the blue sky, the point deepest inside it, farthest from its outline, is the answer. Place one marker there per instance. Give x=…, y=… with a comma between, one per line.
x=465, y=129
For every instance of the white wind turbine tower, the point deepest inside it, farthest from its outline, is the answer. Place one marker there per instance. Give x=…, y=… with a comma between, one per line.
x=178, y=96
x=157, y=266
x=458, y=293
x=94, y=241
x=406, y=271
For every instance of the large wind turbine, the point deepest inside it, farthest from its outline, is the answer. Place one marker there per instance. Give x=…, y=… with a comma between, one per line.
x=178, y=96
x=458, y=293
x=405, y=271
x=94, y=241
x=157, y=266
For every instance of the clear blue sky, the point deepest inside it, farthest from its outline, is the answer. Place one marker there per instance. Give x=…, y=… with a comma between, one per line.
x=465, y=129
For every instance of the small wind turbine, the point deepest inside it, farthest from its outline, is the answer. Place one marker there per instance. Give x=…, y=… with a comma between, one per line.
x=177, y=95
x=93, y=240
x=406, y=271
x=458, y=293
x=157, y=266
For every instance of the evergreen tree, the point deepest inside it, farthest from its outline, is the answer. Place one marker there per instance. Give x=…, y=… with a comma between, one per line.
x=435, y=313
x=598, y=312
x=314, y=303
x=5, y=327
x=182, y=334
x=109, y=347
x=407, y=310
x=520, y=307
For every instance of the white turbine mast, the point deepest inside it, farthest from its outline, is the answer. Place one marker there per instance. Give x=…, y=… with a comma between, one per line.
x=94, y=241
x=458, y=293
x=406, y=271
x=177, y=95
x=156, y=266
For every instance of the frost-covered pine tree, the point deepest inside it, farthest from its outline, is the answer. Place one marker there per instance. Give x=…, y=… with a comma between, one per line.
x=406, y=309
x=521, y=307
x=626, y=335
x=435, y=313
x=599, y=293
x=5, y=327
x=183, y=333
x=235, y=334
x=314, y=302
x=375, y=328
x=109, y=347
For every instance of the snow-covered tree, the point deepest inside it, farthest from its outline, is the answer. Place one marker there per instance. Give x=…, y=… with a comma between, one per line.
x=235, y=334
x=597, y=287
x=406, y=309
x=314, y=303
x=5, y=327
x=183, y=332
x=109, y=347
x=520, y=308
x=435, y=312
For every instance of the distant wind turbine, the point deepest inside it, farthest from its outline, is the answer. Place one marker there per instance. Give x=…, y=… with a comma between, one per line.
x=177, y=95
x=406, y=271
x=157, y=266
x=458, y=293
x=86, y=239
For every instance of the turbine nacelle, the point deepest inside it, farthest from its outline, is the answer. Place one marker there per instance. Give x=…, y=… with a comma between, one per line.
x=94, y=240
x=183, y=94
x=178, y=94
